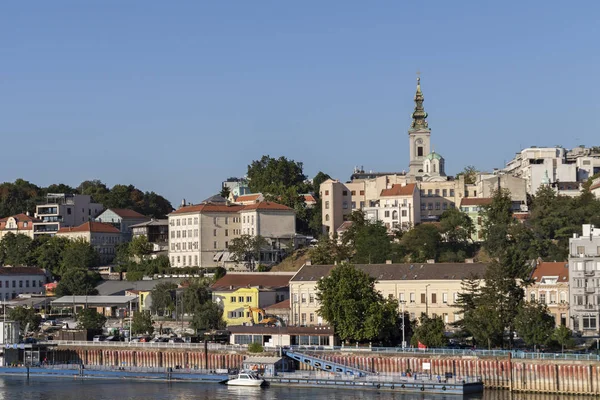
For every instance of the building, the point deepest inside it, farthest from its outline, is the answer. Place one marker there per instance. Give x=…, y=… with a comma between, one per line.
x=595, y=188
x=397, y=208
x=584, y=278
x=551, y=287
x=103, y=237
x=272, y=336
x=109, y=306
x=280, y=310
x=239, y=293
x=144, y=298
x=64, y=210
x=237, y=186
x=472, y=206
x=155, y=230
x=18, y=224
x=247, y=198
x=15, y=281
x=9, y=333
x=422, y=288
x=122, y=219
x=200, y=234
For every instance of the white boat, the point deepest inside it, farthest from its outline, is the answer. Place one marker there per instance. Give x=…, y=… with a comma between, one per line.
x=246, y=379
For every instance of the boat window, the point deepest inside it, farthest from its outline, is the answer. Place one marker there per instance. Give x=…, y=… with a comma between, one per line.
x=244, y=377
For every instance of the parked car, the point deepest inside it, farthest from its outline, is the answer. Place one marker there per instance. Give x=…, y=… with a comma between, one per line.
x=145, y=339
x=99, y=338
x=115, y=338
x=176, y=340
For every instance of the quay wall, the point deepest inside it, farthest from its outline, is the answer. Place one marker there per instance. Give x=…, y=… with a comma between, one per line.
x=534, y=376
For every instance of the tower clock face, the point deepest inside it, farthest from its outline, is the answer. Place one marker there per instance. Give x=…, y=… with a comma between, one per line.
x=419, y=141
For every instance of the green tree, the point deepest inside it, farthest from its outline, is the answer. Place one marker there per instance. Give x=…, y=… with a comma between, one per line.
x=485, y=325
x=79, y=254
x=18, y=197
x=162, y=298
x=422, y=242
x=195, y=294
x=563, y=336
x=48, y=253
x=372, y=244
x=219, y=273
x=16, y=250
x=319, y=178
x=89, y=318
x=140, y=247
x=272, y=175
x=27, y=318
x=207, y=316
x=142, y=323
x=533, y=323
x=456, y=227
x=78, y=282
x=429, y=331
x=497, y=221
x=329, y=251
x=349, y=301
x=225, y=191
x=246, y=248
x=467, y=300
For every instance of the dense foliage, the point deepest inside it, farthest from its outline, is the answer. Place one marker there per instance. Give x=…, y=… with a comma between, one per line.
x=28, y=319
x=142, y=323
x=22, y=196
x=89, y=318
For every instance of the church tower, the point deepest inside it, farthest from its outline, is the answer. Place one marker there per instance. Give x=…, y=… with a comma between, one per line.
x=418, y=135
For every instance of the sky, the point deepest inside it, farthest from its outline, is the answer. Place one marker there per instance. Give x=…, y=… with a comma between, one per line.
x=175, y=97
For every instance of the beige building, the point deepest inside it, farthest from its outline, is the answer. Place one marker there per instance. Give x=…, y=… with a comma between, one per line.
x=17, y=224
x=551, y=287
x=103, y=237
x=199, y=235
x=595, y=188
x=421, y=288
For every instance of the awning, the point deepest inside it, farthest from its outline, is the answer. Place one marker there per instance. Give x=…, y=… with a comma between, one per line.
x=218, y=256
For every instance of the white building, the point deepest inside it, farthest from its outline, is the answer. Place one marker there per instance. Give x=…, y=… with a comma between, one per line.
x=61, y=210
x=397, y=208
x=199, y=235
x=21, y=280
x=122, y=219
x=17, y=224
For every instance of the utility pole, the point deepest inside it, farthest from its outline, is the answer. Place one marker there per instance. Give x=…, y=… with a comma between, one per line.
x=427, y=300
x=403, y=329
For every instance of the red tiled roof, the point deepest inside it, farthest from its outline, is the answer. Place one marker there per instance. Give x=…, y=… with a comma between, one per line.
x=521, y=215
x=248, y=197
x=281, y=305
x=264, y=281
x=267, y=205
x=91, y=226
x=6, y=270
x=399, y=190
x=476, y=201
x=309, y=198
x=127, y=213
x=20, y=218
x=560, y=269
x=344, y=226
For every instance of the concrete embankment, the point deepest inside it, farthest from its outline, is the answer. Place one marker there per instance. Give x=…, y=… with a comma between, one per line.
x=536, y=376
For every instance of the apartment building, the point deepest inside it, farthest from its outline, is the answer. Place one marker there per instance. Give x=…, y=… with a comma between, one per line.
x=199, y=235
x=103, y=237
x=419, y=288
x=64, y=210
x=155, y=230
x=584, y=281
x=21, y=280
x=397, y=207
x=122, y=219
x=551, y=287
x=18, y=224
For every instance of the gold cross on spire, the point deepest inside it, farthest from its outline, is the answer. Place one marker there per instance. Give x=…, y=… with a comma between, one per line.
x=418, y=76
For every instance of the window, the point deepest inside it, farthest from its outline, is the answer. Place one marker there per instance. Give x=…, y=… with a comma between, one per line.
x=344, y=193
x=437, y=205
x=195, y=257
x=232, y=299
x=353, y=192
x=303, y=317
x=445, y=298
x=183, y=222
x=451, y=192
x=420, y=151
x=423, y=298
x=430, y=206
x=183, y=233
x=404, y=213
x=0, y=284
x=241, y=299
x=215, y=220
x=444, y=192
x=214, y=232
x=580, y=249
x=589, y=322
x=532, y=296
x=226, y=232
x=195, y=220
x=423, y=206
x=178, y=222
x=311, y=298
x=445, y=317
x=226, y=220
x=387, y=214
x=326, y=217
x=395, y=214
x=312, y=317
x=437, y=192
x=433, y=298
x=353, y=205
x=20, y=283
x=543, y=298
x=303, y=297
x=327, y=193
x=362, y=192
x=444, y=206
x=327, y=205
x=429, y=192
x=412, y=297
x=345, y=205
x=215, y=245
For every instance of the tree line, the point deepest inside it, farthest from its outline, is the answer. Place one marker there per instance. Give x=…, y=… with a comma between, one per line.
x=22, y=196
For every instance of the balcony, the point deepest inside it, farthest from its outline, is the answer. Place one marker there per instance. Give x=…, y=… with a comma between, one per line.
x=47, y=211
x=589, y=273
x=590, y=290
x=587, y=307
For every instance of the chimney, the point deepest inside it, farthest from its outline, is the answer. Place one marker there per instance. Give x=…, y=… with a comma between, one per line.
x=308, y=262
x=388, y=261
x=431, y=261
x=469, y=261
x=335, y=262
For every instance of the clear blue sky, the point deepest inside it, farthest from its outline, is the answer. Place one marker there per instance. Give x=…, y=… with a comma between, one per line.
x=177, y=96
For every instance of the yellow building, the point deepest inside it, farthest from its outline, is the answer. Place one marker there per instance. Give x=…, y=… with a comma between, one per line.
x=237, y=292
x=144, y=299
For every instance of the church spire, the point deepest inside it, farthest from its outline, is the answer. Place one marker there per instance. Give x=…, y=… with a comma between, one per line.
x=419, y=116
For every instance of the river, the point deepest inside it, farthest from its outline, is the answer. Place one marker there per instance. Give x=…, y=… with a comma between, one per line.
x=37, y=388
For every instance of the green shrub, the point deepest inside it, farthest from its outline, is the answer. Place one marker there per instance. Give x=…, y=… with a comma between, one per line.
x=255, y=348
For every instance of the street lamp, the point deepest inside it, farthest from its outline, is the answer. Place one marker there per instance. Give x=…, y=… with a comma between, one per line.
x=403, y=302
x=427, y=300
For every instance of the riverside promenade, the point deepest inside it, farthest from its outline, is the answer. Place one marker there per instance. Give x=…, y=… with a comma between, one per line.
x=502, y=370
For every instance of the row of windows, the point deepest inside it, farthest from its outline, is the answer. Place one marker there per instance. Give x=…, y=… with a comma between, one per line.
x=106, y=239
x=552, y=297
x=184, y=233
x=183, y=221
x=429, y=206
x=437, y=192
x=184, y=246
x=345, y=193
x=189, y=260
x=27, y=281
x=240, y=299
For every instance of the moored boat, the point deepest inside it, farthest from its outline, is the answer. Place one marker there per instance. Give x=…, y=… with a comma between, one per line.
x=246, y=378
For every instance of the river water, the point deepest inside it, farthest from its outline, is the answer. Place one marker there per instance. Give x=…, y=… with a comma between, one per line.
x=37, y=388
